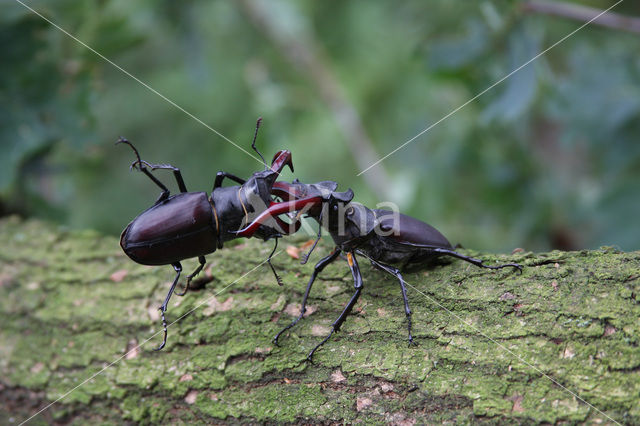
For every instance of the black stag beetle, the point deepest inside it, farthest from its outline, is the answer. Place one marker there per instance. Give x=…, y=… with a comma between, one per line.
x=384, y=237
x=193, y=224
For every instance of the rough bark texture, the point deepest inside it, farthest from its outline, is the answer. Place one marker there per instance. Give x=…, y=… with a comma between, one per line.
x=492, y=345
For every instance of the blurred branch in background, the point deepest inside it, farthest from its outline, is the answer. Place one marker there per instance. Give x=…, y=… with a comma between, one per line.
x=583, y=14
x=550, y=159
x=301, y=49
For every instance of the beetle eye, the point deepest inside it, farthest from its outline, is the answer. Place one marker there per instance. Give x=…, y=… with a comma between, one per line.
x=350, y=211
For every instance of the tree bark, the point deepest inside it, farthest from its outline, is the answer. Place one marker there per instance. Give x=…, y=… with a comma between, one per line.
x=557, y=343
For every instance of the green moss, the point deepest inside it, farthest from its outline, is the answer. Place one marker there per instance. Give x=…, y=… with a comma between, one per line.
x=143, y=409
x=284, y=403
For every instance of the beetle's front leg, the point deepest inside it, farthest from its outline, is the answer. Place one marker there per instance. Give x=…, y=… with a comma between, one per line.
x=357, y=284
x=142, y=166
x=316, y=270
x=220, y=176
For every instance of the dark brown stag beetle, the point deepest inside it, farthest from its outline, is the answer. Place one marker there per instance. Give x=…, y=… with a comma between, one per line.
x=384, y=237
x=193, y=224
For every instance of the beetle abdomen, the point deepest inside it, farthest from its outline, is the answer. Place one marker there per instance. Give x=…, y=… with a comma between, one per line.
x=407, y=229
x=177, y=228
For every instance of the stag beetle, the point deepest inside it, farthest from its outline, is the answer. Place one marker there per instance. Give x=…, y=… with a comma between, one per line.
x=192, y=224
x=382, y=236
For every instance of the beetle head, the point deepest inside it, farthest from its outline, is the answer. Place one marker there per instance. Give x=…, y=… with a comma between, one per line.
x=345, y=197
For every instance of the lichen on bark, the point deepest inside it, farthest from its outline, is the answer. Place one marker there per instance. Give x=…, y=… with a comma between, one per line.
x=557, y=343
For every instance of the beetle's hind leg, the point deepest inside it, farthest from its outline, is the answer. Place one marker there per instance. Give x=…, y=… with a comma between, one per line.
x=396, y=272
x=163, y=308
x=144, y=167
x=474, y=261
x=203, y=262
x=176, y=172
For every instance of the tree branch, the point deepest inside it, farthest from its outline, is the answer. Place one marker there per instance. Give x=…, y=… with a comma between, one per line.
x=557, y=344
x=583, y=14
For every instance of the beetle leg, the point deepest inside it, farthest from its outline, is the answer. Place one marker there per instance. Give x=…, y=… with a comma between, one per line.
x=477, y=262
x=220, y=176
x=142, y=166
x=202, y=261
x=176, y=173
x=278, y=279
x=357, y=284
x=165, y=191
x=396, y=273
x=316, y=270
x=305, y=257
x=163, y=308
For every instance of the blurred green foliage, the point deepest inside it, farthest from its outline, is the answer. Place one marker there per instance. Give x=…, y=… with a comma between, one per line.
x=548, y=158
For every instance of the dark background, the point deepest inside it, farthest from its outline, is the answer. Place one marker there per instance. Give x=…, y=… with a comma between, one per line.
x=550, y=158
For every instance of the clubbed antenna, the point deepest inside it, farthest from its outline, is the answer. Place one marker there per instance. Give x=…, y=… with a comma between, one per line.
x=253, y=144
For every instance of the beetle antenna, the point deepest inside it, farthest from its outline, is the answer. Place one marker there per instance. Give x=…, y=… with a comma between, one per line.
x=253, y=144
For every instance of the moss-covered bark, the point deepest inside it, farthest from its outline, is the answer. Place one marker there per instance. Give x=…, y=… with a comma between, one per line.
x=490, y=344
